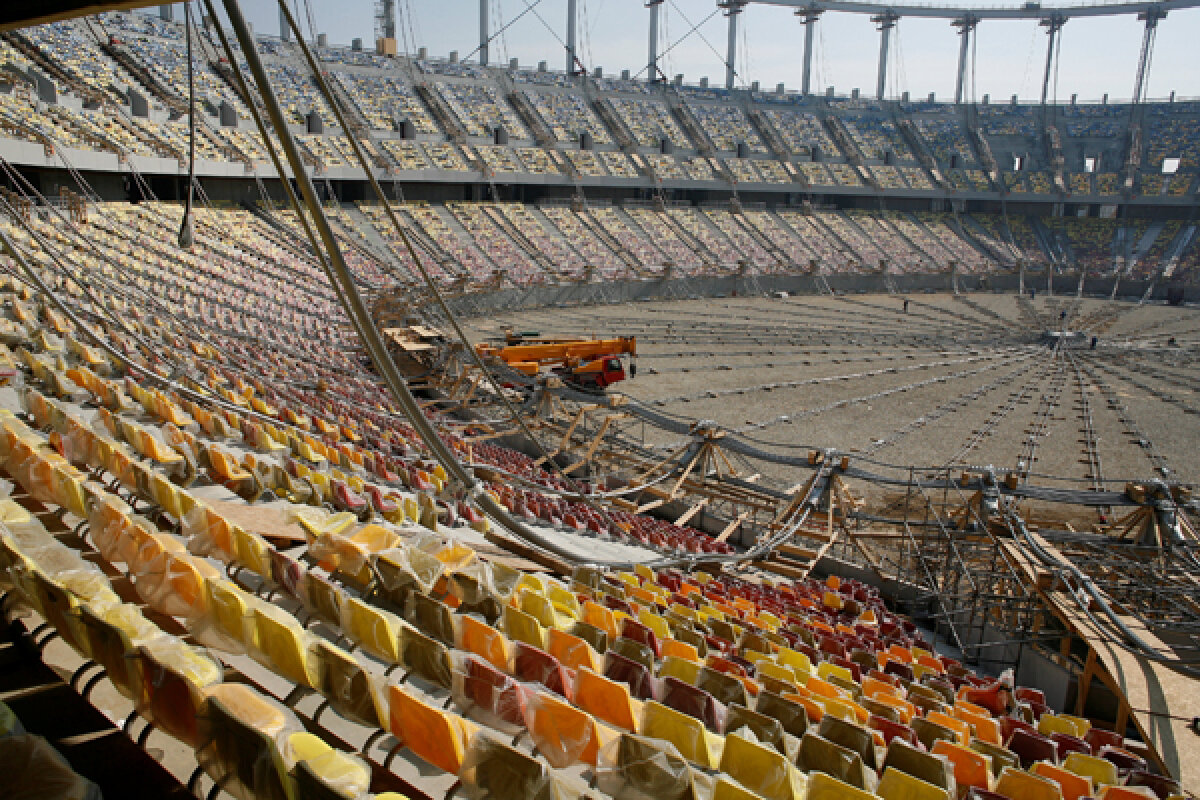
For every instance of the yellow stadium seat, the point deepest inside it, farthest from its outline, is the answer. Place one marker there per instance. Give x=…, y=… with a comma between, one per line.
x=1101, y=772
x=688, y=734
x=763, y=770
x=1017, y=783
x=897, y=785
x=379, y=632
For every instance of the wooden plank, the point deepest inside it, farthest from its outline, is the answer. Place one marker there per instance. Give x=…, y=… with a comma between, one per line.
x=1161, y=701
x=732, y=526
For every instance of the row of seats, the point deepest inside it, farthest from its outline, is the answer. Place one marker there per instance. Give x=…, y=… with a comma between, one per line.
x=889, y=739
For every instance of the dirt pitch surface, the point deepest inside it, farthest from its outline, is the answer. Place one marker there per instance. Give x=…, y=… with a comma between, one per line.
x=965, y=380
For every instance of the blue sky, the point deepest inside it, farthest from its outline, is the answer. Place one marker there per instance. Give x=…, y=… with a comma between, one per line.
x=1097, y=55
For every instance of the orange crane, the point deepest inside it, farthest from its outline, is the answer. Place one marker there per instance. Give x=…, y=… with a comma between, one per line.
x=589, y=363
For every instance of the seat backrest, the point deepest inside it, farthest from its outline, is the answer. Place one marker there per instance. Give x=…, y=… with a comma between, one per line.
x=563, y=734
x=534, y=664
x=605, y=699
x=427, y=657
x=379, y=632
x=435, y=736
x=346, y=684
x=690, y=700
x=501, y=772
x=685, y=732
x=284, y=646
x=492, y=691
x=238, y=733
x=174, y=679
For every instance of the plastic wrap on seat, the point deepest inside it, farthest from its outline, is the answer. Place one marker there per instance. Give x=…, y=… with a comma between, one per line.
x=437, y=737
x=606, y=700
x=323, y=598
x=767, y=730
x=209, y=534
x=34, y=770
x=428, y=658
x=761, y=768
x=400, y=571
x=178, y=583
x=112, y=637
x=346, y=684
x=640, y=680
x=489, y=694
x=175, y=680
x=239, y=730
x=474, y=591
x=536, y=665
x=640, y=768
x=688, y=734
x=693, y=701
x=333, y=775
x=430, y=616
x=563, y=734
x=283, y=645
x=349, y=551
x=109, y=517
x=818, y=754
x=376, y=631
x=474, y=636
x=498, y=771
x=226, y=625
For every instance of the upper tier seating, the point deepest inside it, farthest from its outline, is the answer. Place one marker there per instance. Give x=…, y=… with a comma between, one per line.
x=567, y=115
x=480, y=109
x=649, y=121
x=727, y=127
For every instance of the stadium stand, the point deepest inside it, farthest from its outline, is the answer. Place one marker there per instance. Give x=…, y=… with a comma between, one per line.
x=390, y=607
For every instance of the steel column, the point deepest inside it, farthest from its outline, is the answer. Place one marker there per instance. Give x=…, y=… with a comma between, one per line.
x=733, y=10
x=886, y=21
x=485, y=32
x=652, y=57
x=572, y=66
x=808, y=20
x=1151, y=19
x=966, y=29
x=1053, y=24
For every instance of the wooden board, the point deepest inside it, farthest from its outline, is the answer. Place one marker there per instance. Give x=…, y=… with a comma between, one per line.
x=1156, y=694
x=269, y=520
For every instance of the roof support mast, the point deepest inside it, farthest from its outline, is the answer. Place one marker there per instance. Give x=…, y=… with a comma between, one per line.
x=1150, y=17
x=1053, y=24
x=808, y=18
x=966, y=25
x=733, y=10
x=572, y=65
x=886, y=21
x=652, y=58
x=484, y=32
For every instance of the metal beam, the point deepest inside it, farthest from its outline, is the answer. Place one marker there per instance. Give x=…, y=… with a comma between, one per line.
x=808, y=18
x=25, y=13
x=1029, y=11
x=485, y=32
x=285, y=34
x=886, y=21
x=652, y=56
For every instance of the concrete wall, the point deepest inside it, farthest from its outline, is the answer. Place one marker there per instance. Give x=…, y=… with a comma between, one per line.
x=618, y=292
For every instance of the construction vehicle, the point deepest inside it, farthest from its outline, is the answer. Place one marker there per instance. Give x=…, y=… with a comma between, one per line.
x=591, y=364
